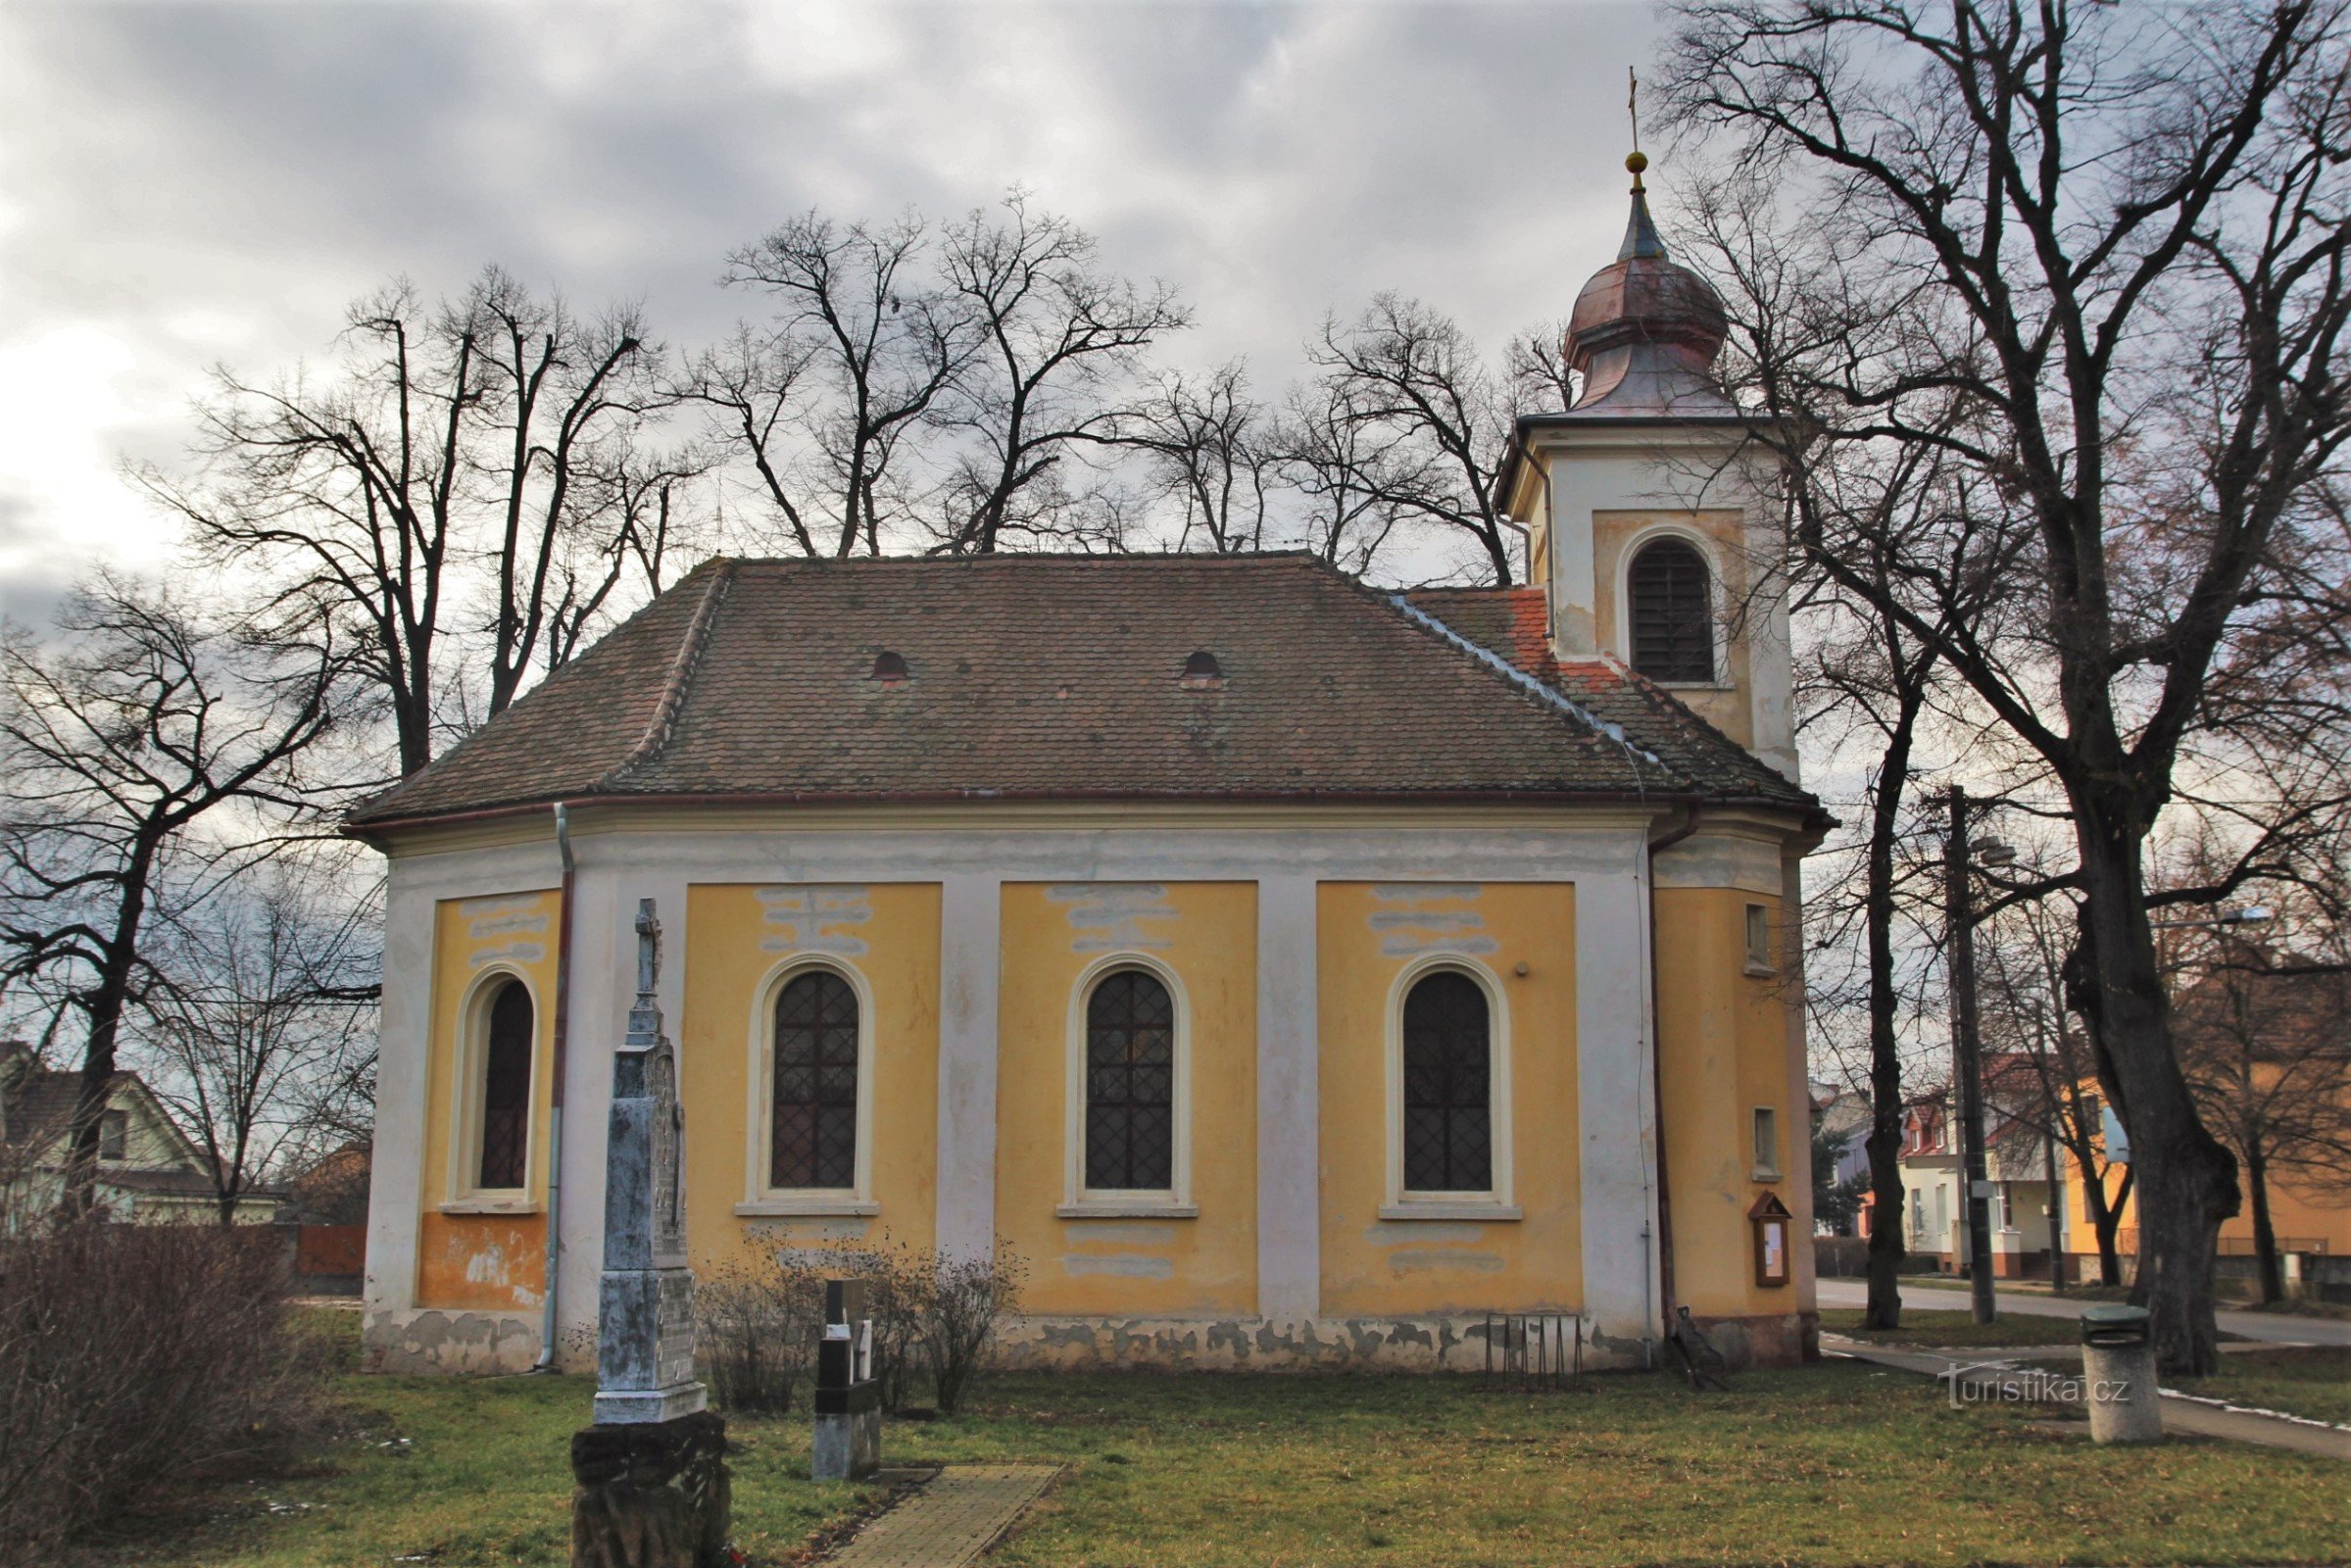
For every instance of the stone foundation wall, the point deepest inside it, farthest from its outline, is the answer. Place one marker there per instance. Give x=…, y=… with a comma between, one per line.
x=428, y=1341
x=484, y=1342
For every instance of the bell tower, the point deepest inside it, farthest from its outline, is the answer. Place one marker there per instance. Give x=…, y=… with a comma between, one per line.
x=1652, y=505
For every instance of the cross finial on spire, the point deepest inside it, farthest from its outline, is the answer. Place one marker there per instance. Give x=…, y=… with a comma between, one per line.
x=1638, y=161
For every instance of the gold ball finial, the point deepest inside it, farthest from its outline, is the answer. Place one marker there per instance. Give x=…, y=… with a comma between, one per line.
x=1637, y=162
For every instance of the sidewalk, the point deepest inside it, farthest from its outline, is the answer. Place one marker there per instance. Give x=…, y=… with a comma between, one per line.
x=2275, y=1328
x=2202, y=1418
x=951, y=1520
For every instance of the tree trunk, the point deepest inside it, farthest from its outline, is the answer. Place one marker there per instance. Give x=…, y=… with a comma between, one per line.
x=1884, y=1308
x=2106, y=1219
x=2265, y=1230
x=2186, y=1178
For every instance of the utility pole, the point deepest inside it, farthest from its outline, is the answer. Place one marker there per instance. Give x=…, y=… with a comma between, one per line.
x=1959, y=930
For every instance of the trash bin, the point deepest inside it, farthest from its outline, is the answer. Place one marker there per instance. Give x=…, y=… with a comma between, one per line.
x=2118, y=1374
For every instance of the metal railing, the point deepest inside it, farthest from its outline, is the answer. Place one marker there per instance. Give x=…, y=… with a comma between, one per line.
x=1533, y=1349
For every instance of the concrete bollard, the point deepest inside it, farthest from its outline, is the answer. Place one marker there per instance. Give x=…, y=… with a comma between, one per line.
x=2118, y=1374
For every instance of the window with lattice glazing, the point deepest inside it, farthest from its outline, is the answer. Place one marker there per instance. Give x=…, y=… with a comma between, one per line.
x=1672, y=612
x=505, y=1089
x=1130, y=1085
x=813, y=1132
x=1449, y=1092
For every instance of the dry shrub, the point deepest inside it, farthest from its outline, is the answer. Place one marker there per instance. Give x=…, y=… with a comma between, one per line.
x=968, y=1297
x=757, y=1325
x=135, y=1359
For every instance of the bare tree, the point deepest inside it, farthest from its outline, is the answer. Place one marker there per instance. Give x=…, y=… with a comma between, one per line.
x=264, y=1022
x=463, y=495
x=1054, y=372
x=126, y=745
x=2119, y=237
x=863, y=346
x=1339, y=471
x=1411, y=379
x=1207, y=441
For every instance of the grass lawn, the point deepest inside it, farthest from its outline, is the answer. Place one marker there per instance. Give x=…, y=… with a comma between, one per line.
x=1837, y=1464
x=1939, y=1328
x=2316, y=1383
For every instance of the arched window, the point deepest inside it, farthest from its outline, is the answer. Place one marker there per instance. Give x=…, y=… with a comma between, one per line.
x=1130, y=1085
x=1672, y=612
x=1448, y=1087
x=812, y=1133
x=505, y=1089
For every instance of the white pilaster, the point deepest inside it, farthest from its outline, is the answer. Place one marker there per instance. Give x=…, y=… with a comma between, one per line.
x=401, y=1094
x=1615, y=1092
x=969, y=910
x=1289, y=1102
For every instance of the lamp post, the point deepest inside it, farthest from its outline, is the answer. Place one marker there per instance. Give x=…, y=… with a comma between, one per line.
x=1959, y=928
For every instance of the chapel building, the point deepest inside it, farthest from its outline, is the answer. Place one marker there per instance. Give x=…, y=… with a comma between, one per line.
x=1293, y=971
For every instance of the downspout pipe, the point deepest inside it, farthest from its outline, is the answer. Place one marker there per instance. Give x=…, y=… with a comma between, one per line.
x=555, y=1110
x=1665, y=1220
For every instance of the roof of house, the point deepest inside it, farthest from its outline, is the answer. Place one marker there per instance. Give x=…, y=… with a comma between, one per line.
x=36, y=1109
x=1064, y=676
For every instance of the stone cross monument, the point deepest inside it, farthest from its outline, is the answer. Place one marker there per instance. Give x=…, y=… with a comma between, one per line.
x=650, y=1482
x=645, y=1305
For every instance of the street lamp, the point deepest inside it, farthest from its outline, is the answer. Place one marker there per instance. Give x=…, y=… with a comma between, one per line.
x=1959, y=924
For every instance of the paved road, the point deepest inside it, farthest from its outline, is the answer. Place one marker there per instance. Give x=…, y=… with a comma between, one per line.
x=2275, y=1327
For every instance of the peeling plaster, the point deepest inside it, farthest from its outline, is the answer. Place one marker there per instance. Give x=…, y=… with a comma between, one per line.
x=1080, y=1233
x=488, y=920
x=1124, y=1266
x=1109, y=917
x=1392, y=1233
x=1269, y=1344
x=1415, y=928
x=813, y=919
x=1431, y=1259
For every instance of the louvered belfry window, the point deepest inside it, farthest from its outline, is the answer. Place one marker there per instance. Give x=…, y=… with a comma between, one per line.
x=505, y=1089
x=812, y=1136
x=1449, y=1098
x=1130, y=1085
x=1672, y=612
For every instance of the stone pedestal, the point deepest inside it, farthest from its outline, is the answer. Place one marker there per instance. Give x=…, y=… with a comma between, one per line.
x=849, y=1402
x=651, y=1495
x=650, y=1477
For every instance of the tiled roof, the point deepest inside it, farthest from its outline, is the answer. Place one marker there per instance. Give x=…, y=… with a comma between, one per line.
x=1061, y=676
x=1513, y=622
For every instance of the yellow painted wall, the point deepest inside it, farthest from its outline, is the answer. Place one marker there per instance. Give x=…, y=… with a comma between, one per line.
x=1150, y=1266
x=738, y=940
x=1728, y=710
x=1722, y=1039
x=486, y=1261
x=1368, y=934
x=2305, y=1213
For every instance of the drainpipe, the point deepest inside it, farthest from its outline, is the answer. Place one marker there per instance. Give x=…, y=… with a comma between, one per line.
x=555, y=1110
x=1665, y=1222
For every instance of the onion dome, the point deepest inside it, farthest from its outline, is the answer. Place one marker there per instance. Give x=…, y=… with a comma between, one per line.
x=1646, y=329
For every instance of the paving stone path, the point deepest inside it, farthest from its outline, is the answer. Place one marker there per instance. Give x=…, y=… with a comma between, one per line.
x=954, y=1518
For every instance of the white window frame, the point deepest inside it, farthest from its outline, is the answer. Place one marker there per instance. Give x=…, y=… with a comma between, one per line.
x=1078, y=1200
x=759, y=1199
x=1717, y=586
x=1498, y=1202
x=466, y=1196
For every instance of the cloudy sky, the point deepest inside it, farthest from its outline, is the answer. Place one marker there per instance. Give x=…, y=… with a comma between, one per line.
x=186, y=184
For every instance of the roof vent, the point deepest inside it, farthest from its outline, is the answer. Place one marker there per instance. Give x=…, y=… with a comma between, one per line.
x=1202, y=673
x=891, y=669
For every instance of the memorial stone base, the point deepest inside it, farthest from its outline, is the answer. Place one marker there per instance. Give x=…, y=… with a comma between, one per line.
x=651, y=1495
x=849, y=1432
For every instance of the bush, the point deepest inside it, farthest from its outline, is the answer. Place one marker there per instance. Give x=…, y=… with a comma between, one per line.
x=134, y=1358
x=757, y=1326
x=968, y=1297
